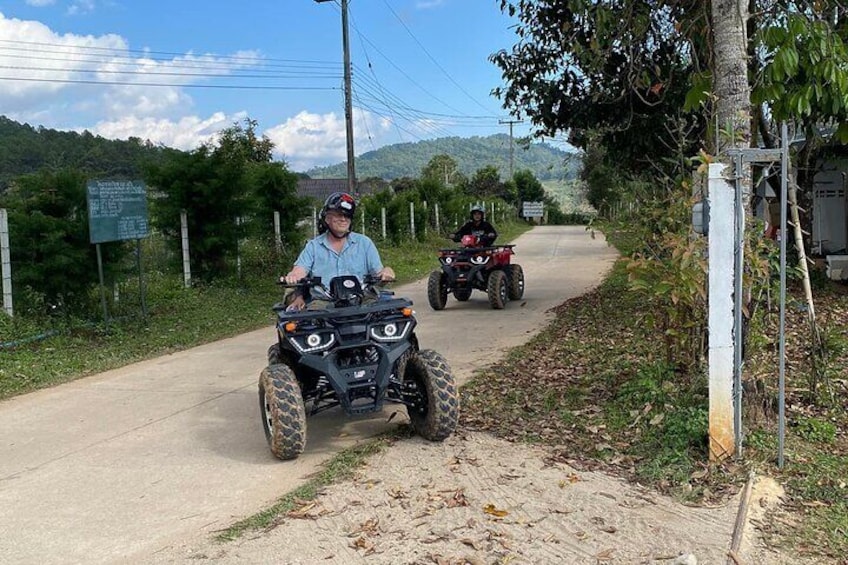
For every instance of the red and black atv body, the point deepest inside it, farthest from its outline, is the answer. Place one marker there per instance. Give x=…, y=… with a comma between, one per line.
x=486, y=268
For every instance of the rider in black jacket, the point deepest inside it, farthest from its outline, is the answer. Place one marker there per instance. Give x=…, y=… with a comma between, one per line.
x=477, y=226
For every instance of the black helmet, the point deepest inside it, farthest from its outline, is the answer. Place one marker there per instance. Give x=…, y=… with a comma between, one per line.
x=337, y=202
x=477, y=208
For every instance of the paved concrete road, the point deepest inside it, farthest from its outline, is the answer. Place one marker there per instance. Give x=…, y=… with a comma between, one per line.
x=114, y=467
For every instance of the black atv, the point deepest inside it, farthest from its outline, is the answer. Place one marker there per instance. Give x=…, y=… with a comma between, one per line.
x=358, y=353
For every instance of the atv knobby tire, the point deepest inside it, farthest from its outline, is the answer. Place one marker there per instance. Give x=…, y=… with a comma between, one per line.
x=283, y=412
x=274, y=356
x=462, y=294
x=436, y=413
x=437, y=290
x=516, y=282
x=497, y=289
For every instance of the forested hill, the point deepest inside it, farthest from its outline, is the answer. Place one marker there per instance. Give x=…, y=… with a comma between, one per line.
x=407, y=159
x=25, y=149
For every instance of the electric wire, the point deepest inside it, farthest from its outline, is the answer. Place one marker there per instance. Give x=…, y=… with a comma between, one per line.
x=171, y=85
x=441, y=68
x=234, y=58
x=169, y=63
x=374, y=75
x=163, y=73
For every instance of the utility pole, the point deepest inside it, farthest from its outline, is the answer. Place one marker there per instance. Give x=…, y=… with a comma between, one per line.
x=351, y=170
x=511, y=147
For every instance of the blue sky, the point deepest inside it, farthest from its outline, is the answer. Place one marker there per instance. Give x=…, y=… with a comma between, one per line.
x=121, y=68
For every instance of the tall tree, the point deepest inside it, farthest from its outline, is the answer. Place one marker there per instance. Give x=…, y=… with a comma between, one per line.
x=731, y=89
x=442, y=168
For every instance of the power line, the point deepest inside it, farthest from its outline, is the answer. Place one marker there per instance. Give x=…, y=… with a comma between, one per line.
x=146, y=52
x=162, y=73
x=172, y=85
x=412, y=80
x=433, y=58
x=84, y=58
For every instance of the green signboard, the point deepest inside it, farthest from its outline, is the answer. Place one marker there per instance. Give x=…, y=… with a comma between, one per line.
x=117, y=210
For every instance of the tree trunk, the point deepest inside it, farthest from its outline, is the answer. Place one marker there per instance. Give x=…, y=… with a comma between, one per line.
x=730, y=73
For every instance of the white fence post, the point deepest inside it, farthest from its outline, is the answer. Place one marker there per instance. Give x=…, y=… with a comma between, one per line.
x=6, y=262
x=363, y=220
x=412, y=219
x=314, y=222
x=186, y=260
x=426, y=218
x=278, y=240
x=383, y=220
x=722, y=229
x=438, y=225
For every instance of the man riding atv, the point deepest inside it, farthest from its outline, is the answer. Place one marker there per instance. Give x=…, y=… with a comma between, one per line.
x=477, y=226
x=336, y=250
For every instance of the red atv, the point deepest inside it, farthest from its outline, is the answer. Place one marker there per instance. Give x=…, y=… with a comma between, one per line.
x=471, y=266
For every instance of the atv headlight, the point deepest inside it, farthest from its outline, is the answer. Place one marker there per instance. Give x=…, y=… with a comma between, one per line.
x=390, y=331
x=315, y=341
x=480, y=259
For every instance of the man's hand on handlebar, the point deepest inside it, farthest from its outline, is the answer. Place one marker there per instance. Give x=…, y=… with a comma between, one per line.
x=293, y=276
x=386, y=274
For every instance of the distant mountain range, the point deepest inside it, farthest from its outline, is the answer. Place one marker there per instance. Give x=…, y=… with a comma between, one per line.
x=26, y=149
x=545, y=161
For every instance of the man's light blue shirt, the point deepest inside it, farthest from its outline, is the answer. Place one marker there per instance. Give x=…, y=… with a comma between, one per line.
x=358, y=257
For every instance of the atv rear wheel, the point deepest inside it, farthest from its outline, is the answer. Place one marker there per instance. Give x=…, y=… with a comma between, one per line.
x=516, y=282
x=435, y=412
x=497, y=289
x=283, y=412
x=437, y=290
x=462, y=294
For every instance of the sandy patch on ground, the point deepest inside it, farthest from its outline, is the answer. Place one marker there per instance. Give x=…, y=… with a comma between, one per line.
x=476, y=499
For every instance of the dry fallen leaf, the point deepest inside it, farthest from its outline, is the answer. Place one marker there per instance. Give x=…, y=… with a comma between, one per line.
x=490, y=509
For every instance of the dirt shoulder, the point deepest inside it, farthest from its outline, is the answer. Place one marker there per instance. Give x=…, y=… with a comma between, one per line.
x=477, y=499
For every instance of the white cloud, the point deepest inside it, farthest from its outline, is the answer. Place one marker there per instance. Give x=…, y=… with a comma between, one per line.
x=80, y=7
x=67, y=87
x=308, y=140
x=40, y=3
x=427, y=4
x=67, y=77
x=187, y=133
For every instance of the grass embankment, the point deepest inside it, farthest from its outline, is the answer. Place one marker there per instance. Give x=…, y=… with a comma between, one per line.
x=178, y=318
x=594, y=388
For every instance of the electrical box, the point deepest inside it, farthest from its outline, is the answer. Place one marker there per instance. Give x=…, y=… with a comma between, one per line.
x=701, y=217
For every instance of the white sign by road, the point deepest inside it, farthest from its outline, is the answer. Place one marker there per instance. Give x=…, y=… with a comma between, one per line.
x=532, y=209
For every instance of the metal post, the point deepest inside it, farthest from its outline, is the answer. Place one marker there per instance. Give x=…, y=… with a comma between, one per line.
x=314, y=222
x=784, y=171
x=412, y=219
x=6, y=262
x=102, y=283
x=426, y=218
x=186, y=259
x=438, y=225
x=738, y=337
